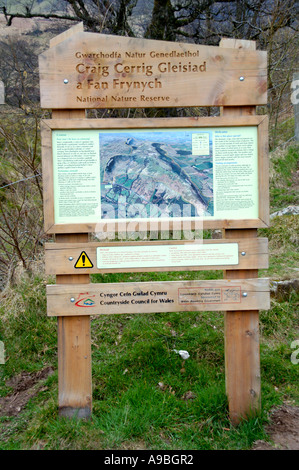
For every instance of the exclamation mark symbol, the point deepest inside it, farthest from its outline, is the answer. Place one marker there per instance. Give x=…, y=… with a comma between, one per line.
x=83, y=261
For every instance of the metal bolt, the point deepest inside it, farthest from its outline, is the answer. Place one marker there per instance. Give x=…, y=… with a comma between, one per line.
x=243, y=253
x=71, y=258
x=72, y=299
x=244, y=294
x=65, y=81
x=242, y=79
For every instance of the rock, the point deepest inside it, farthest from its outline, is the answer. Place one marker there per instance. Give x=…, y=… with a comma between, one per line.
x=184, y=354
x=189, y=396
x=281, y=290
x=290, y=210
x=217, y=234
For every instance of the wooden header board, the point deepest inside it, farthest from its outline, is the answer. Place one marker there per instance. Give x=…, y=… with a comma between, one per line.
x=110, y=175
x=89, y=70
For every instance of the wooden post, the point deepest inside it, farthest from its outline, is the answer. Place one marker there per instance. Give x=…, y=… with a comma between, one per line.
x=74, y=342
x=242, y=357
x=242, y=360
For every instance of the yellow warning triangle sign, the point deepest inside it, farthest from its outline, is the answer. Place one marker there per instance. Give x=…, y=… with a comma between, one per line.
x=83, y=261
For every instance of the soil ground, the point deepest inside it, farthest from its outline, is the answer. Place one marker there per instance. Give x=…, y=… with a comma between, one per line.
x=283, y=429
x=25, y=386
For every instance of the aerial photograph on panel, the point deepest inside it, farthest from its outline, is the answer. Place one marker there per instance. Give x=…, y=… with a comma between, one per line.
x=156, y=174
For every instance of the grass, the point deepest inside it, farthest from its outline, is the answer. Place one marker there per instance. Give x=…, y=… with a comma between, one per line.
x=141, y=389
x=145, y=396
x=283, y=168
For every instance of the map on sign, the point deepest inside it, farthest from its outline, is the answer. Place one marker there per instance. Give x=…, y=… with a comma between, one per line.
x=156, y=173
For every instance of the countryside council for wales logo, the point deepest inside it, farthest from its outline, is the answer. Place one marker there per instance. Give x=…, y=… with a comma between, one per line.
x=85, y=300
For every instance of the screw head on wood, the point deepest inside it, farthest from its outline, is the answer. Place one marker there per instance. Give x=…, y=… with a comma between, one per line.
x=65, y=81
x=244, y=294
x=242, y=79
x=243, y=253
x=71, y=258
x=72, y=299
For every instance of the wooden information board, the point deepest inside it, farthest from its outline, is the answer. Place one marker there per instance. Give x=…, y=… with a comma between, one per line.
x=106, y=174
x=116, y=176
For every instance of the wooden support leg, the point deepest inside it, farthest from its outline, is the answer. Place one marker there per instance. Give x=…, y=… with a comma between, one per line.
x=74, y=351
x=74, y=341
x=242, y=356
x=74, y=367
x=242, y=364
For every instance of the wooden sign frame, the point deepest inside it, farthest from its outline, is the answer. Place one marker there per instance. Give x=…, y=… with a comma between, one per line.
x=48, y=126
x=233, y=77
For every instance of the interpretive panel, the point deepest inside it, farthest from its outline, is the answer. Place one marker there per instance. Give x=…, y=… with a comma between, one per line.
x=116, y=175
x=195, y=254
x=139, y=174
x=76, y=170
